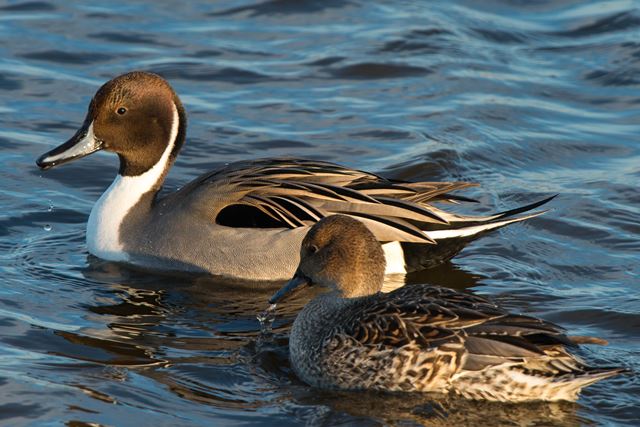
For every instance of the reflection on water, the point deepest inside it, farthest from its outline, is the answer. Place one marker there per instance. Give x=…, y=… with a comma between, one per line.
x=526, y=98
x=433, y=410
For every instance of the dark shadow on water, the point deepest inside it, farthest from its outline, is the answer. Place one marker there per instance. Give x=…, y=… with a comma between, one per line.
x=8, y=83
x=69, y=58
x=448, y=275
x=617, y=22
x=128, y=38
x=30, y=6
x=370, y=71
x=15, y=410
x=283, y=7
x=190, y=71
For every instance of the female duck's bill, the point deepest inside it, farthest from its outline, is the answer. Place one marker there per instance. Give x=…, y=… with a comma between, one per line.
x=297, y=283
x=221, y=222
x=419, y=338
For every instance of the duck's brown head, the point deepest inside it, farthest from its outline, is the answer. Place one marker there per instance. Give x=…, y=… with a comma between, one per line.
x=137, y=116
x=341, y=253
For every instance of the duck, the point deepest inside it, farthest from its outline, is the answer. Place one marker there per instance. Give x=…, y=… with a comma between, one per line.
x=246, y=220
x=418, y=338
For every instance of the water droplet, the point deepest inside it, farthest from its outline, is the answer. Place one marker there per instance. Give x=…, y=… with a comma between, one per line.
x=266, y=319
x=50, y=209
x=47, y=227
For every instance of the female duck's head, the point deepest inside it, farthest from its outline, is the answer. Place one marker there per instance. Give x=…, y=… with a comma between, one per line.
x=137, y=116
x=338, y=252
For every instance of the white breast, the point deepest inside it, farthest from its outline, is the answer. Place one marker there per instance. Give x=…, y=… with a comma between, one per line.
x=103, y=227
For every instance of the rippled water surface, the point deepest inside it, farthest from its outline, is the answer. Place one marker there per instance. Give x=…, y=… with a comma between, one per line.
x=527, y=98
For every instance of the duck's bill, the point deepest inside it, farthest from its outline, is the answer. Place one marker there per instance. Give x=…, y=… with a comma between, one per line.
x=295, y=284
x=83, y=143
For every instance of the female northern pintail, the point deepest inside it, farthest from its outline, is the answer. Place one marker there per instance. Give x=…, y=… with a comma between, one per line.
x=248, y=219
x=419, y=338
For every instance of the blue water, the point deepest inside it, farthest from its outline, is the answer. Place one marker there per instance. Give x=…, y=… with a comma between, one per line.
x=527, y=98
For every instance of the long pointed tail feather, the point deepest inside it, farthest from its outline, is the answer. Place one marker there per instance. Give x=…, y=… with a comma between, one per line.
x=526, y=208
x=473, y=230
x=468, y=220
x=453, y=237
x=572, y=385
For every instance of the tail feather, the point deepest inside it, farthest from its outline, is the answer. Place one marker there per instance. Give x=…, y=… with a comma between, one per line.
x=525, y=208
x=582, y=339
x=453, y=237
x=569, y=386
x=469, y=220
x=597, y=374
x=476, y=230
x=513, y=384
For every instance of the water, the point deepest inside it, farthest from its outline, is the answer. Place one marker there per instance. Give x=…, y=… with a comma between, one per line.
x=527, y=98
x=266, y=318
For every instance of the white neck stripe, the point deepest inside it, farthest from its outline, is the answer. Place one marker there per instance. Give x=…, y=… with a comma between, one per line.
x=107, y=215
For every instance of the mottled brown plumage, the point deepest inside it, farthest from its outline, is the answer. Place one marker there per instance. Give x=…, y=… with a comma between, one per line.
x=419, y=338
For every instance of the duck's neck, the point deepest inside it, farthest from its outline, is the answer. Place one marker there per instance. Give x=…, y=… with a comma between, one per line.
x=313, y=326
x=318, y=315
x=124, y=194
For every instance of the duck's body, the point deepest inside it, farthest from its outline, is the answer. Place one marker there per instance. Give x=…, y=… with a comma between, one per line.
x=241, y=221
x=247, y=220
x=419, y=338
x=430, y=339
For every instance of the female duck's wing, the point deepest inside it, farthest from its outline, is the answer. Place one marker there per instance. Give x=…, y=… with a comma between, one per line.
x=442, y=332
x=433, y=319
x=422, y=316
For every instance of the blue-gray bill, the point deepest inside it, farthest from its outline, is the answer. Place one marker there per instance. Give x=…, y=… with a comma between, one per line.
x=295, y=284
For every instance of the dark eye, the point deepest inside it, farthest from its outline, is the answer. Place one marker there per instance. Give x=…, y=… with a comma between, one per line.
x=121, y=110
x=313, y=249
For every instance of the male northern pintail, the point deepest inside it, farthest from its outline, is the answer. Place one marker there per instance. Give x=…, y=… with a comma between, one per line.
x=419, y=338
x=246, y=220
